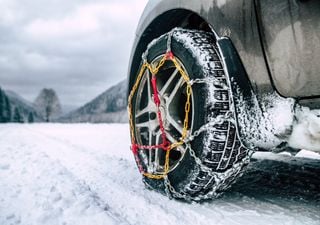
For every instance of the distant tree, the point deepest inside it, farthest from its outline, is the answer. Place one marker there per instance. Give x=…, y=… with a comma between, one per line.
x=30, y=117
x=48, y=112
x=7, y=109
x=2, y=106
x=17, y=118
x=48, y=105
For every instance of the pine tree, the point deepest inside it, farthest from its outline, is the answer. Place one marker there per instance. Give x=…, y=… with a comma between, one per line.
x=17, y=118
x=7, y=109
x=2, y=106
x=30, y=117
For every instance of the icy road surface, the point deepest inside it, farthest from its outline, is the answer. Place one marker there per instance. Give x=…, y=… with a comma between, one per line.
x=85, y=174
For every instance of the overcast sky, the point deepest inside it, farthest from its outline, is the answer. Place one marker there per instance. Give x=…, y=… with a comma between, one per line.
x=77, y=47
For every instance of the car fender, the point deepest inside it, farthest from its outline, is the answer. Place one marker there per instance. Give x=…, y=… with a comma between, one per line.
x=234, y=19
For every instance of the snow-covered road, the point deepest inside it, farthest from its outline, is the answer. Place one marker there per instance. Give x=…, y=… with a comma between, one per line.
x=85, y=174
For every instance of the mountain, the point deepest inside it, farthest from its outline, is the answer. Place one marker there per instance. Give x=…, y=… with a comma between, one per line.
x=47, y=104
x=25, y=107
x=108, y=107
x=15, y=97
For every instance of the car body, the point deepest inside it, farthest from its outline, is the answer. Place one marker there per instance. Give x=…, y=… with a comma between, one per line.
x=274, y=46
x=278, y=41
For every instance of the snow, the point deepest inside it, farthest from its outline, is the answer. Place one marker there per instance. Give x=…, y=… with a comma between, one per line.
x=266, y=122
x=308, y=154
x=306, y=130
x=85, y=174
x=272, y=120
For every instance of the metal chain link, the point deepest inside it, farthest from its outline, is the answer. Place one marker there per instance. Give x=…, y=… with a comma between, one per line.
x=220, y=178
x=169, y=41
x=154, y=69
x=209, y=80
x=169, y=187
x=220, y=119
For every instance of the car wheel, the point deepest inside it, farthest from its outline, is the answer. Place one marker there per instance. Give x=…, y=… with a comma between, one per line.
x=183, y=129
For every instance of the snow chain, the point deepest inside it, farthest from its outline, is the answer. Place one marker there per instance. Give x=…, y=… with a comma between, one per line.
x=185, y=137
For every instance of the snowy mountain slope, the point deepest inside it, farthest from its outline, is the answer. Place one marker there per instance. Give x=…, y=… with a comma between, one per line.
x=85, y=174
x=16, y=98
x=24, y=106
x=14, y=95
x=110, y=106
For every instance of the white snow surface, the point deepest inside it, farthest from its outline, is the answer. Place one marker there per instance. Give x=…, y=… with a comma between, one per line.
x=85, y=174
x=306, y=130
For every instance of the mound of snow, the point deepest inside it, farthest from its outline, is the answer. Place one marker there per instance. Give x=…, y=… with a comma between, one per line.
x=306, y=130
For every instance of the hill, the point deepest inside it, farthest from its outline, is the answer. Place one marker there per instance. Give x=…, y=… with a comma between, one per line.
x=25, y=107
x=108, y=107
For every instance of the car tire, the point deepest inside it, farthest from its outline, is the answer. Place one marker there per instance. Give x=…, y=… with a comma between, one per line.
x=217, y=157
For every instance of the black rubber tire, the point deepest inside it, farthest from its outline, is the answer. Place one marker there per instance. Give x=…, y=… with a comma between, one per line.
x=189, y=178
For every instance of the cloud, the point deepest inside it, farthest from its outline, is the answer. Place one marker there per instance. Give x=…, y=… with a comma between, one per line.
x=86, y=20
x=79, y=48
x=82, y=21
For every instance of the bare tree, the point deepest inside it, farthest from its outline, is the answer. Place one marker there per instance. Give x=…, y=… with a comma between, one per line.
x=48, y=105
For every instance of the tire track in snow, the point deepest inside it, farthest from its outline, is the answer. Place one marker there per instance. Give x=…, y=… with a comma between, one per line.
x=115, y=183
x=116, y=192
x=207, y=210
x=46, y=189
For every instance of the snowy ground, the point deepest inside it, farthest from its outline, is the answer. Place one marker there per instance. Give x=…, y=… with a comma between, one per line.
x=85, y=174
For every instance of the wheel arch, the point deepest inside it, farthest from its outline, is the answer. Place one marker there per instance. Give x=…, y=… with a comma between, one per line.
x=188, y=19
x=244, y=59
x=235, y=19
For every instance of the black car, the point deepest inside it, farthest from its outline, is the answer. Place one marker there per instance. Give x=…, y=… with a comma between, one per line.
x=210, y=82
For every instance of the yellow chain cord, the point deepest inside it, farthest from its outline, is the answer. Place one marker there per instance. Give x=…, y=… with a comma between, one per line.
x=154, y=70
